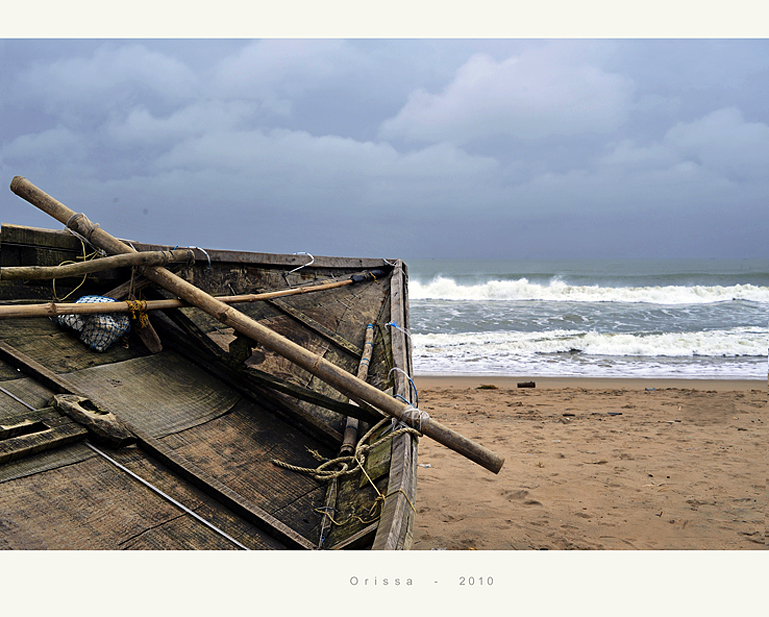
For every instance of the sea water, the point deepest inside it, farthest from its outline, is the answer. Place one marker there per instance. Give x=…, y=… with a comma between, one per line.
x=651, y=318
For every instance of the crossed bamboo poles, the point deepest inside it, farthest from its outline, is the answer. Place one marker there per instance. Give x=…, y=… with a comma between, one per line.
x=54, y=309
x=338, y=378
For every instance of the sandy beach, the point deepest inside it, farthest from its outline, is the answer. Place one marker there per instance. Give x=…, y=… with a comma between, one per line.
x=595, y=464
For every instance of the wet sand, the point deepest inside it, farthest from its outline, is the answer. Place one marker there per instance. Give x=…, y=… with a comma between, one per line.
x=595, y=464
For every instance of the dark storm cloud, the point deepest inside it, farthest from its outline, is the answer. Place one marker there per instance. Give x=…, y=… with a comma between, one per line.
x=412, y=148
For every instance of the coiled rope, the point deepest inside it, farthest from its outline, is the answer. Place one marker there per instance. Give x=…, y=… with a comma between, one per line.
x=348, y=465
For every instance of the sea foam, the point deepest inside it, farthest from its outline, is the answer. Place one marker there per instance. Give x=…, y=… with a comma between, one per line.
x=734, y=342
x=556, y=290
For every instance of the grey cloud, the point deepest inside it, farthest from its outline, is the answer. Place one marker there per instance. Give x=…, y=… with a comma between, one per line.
x=405, y=148
x=113, y=75
x=522, y=96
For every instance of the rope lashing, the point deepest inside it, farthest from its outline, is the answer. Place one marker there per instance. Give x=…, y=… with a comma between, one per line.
x=411, y=381
x=394, y=324
x=138, y=310
x=80, y=224
x=309, y=263
x=416, y=416
x=204, y=253
x=348, y=465
x=191, y=259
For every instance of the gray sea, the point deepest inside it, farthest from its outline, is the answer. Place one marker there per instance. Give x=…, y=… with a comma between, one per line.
x=671, y=318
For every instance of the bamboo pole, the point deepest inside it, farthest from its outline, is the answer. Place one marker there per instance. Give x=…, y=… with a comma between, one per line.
x=333, y=375
x=351, y=428
x=145, y=258
x=54, y=309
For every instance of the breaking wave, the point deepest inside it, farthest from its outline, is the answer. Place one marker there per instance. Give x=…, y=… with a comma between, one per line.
x=734, y=342
x=556, y=290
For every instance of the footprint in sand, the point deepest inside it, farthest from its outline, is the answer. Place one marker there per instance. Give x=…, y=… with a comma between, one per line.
x=532, y=502
x=512, y=495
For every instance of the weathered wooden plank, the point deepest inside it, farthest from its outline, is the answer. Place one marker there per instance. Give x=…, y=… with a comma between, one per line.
x=218, y=363
x=162, y=477
x=396, y=521
x=161, y=394
x=358, y=540
x=250, y=385
x=48, y=511
x=220, y=491
x=36, y=236
x=58, y=348
x=48, y=438
x=44, y=461
x=313, y=325
x=188, y=470
x=284, y=261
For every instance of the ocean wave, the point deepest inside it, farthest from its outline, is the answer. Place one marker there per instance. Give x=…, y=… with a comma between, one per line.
x=444, y=288
x=471, y=346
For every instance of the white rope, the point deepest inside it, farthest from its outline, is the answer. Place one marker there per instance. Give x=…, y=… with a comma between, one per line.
x=416, y=417
x=204, y=253
x=411, y=381
x=309, y=263
x=392, y=324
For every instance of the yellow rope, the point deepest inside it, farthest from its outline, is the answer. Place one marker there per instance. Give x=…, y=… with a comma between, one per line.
x=138, y=310
x=322, y=474
x=87, y=257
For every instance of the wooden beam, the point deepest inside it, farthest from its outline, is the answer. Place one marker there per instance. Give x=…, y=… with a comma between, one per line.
x=313, y=325
x=332, y=374
x=153, y=258
x=238, y=377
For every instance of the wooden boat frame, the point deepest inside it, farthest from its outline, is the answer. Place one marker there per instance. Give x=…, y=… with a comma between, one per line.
x=394, y=523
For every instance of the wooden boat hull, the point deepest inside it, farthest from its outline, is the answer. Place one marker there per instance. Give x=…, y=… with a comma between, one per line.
x=206, y=417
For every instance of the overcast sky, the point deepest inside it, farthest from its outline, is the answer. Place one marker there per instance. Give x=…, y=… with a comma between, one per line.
x=418, y=148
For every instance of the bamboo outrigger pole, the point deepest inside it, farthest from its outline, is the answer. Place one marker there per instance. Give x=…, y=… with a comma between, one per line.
x=323, y=369
x=145, y=258
x=54, y=309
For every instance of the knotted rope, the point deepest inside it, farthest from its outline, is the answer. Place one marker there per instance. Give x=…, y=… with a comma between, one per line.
x=349, y=465
x=138, y=310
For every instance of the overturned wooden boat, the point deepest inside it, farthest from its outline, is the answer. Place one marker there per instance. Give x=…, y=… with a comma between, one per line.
x=184, y=433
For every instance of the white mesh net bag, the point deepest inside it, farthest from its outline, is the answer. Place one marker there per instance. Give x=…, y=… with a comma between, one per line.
x=98, y=331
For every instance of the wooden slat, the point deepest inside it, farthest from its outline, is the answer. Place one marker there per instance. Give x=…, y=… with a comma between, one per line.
x=358, y=540
x=162, y=478
x=235, y=377
x=36, y=236
x=49, y=439
x=189, y=471
x=313, y=325
x=44, y=461
x=49, y=511
x=36, y=431
x=396, y=521
x=223, y=494
x=242, y=381
x=161, y=394
x=286, y=261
